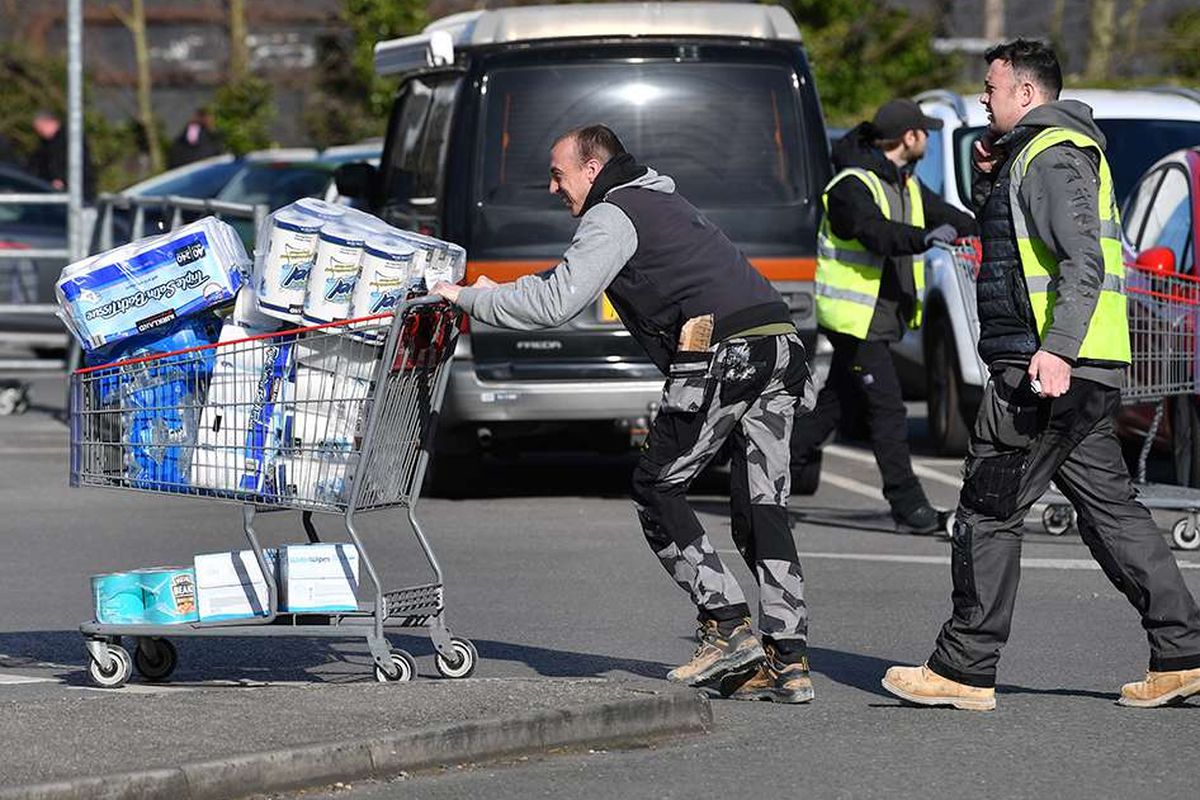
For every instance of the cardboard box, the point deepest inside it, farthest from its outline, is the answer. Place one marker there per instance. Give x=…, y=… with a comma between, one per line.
x=318, y=577
x=231, y=585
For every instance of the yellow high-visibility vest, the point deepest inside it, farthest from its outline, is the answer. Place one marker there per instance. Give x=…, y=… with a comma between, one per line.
x=1107, y=337
x=848, y=275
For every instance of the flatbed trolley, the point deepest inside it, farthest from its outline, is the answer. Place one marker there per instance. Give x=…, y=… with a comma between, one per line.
x=1163, y=311
x=357, y=403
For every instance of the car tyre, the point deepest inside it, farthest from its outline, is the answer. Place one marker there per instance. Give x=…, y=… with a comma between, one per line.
x=944, y=391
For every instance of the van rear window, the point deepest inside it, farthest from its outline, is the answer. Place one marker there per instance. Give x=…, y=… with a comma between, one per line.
x=728, y=133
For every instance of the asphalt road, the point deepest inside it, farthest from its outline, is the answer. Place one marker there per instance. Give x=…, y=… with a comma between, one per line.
x=549, y=576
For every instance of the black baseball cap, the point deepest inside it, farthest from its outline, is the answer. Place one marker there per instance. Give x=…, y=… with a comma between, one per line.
x=897, y=116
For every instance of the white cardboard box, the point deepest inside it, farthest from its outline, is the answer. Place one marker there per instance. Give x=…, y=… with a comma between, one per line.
x=231, y=585
x=318, y=577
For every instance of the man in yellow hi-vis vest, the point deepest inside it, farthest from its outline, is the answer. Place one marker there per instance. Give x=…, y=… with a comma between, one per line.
x=1054, y=332
x=878, y=221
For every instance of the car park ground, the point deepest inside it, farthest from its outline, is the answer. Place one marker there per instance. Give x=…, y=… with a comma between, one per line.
x=548, y=574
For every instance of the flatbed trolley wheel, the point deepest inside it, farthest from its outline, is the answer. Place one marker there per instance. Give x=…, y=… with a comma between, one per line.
x=1186, y=535
x=405, y=665
x=155, y=658
x=462, y=664
x=119, y=670
x=947, y=519
x=1058, y=519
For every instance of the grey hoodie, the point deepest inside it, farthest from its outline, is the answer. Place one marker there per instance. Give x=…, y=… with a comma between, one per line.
x=1059, y=197
x=604, y=241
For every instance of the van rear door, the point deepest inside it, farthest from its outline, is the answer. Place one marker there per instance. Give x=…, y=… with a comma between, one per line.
x=730, y=125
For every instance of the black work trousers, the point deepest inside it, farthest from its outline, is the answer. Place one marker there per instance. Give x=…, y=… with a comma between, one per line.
x=862, y=378
x=1020, y=442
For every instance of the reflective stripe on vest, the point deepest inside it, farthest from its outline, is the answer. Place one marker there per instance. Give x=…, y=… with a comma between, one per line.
x=848, y=275
x=1107, y=336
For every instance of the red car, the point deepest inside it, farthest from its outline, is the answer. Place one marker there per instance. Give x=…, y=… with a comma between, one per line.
x=1161, y=222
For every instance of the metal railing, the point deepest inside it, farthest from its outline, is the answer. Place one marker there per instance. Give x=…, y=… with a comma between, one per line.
x=172, y=208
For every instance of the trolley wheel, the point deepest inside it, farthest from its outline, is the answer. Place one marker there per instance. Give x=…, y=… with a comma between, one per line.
x=1186, y=535
x=462, y=664
x=807, y=479
x=948, y=518
x=118, y=672
x=13, y=400
x=1058, y=519
x=406, y=668
x=155, y=658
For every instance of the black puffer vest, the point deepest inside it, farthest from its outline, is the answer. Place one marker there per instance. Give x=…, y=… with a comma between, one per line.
x=1006, y=323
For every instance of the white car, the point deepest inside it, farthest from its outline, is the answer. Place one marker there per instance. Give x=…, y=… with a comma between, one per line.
x=940, y=359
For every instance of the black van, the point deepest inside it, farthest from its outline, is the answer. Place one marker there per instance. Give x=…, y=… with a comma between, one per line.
x=717, y=96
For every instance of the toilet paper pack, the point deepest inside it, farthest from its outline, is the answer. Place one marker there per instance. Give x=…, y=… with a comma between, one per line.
x=243, y=420
x=149, y=283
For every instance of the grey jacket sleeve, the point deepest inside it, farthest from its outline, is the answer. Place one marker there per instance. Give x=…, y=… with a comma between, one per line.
x=603, y=242
x=1060, y=196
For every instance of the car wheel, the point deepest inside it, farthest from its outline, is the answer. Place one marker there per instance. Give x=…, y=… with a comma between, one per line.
x=1185, y=441
x=947, y=423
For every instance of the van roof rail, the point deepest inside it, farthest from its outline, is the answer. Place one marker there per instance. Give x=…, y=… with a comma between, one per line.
x=436, y=45
x=1179, y=91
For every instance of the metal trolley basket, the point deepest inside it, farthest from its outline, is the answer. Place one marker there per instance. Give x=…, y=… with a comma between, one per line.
x=1163, y=312
x=334, y=419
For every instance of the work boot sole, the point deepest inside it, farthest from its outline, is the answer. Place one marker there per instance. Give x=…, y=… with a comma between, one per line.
x=961, y=703
x=775, y=695
x=1182, y=693
x=739, y=661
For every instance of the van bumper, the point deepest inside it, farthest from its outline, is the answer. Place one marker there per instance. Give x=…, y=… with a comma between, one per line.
x=469, y=399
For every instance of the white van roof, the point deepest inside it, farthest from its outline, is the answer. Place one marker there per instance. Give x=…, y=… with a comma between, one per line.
x=436, y=45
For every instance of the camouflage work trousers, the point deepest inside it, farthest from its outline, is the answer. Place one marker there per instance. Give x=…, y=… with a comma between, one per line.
x=746, y=391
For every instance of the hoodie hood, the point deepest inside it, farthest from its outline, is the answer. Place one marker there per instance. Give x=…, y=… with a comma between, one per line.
x=1070, y=114
x=621, y=171
x=855, y=150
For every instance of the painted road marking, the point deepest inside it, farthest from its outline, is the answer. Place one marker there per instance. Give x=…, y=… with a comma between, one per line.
x=899, y=558
x=15, y=680
x=851, y=485
x=862, y=457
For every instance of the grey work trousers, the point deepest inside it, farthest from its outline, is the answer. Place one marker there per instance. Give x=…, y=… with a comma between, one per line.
x=1020, y=442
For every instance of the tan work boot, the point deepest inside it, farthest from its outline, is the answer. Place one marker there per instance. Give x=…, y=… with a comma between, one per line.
x=923, y=686
x=718, y=655
x=776, y=680
x=1161, y=688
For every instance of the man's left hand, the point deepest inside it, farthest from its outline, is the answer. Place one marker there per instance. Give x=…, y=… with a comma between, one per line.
x=1052, y=372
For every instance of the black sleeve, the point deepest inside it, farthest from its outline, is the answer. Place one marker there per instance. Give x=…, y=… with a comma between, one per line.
x=939, y=212
x=854, y=215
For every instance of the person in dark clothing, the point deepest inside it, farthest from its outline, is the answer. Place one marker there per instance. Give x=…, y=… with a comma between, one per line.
x=1054, y=332
x=879, y=219
x=197, y=140
x=7, y=154
x=735, y=367
x=49, y=159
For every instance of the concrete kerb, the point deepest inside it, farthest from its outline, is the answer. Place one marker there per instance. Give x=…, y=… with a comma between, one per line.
x=654, y=715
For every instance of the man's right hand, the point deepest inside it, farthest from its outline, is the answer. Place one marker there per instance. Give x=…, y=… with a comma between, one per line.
x=983, y=156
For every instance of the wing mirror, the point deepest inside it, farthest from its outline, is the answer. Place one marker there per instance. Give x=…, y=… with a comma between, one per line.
x=1156, y=260
x=355, y=180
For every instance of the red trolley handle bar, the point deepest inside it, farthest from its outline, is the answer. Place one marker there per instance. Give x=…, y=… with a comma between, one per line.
x=420, y=301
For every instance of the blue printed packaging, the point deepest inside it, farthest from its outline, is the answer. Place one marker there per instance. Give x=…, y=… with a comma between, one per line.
x=149, y=283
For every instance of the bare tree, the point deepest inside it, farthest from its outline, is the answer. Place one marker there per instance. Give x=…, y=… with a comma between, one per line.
x=1102, y=31
x=135, y=21
x=1130, y=21
x=993, y=19
x=1057, y=13
x=239, y=50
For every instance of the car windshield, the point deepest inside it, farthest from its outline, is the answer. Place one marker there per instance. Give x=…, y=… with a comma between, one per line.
x=1132, y=146
x=729, y=134
x=276, y=184
x=205, y=181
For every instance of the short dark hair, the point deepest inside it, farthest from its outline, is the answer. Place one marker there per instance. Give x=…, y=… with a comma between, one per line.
x=594, y=141
x=1034, y=60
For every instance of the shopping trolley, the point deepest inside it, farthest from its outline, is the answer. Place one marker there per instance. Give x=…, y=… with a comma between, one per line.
x=1163, y=310
x=334, y=419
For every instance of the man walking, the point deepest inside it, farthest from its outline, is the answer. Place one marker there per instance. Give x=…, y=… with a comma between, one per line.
x=735, y=368
x=1054, y=332
x=879, y=218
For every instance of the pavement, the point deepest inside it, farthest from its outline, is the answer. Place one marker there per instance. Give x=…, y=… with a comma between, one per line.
x=547, y=573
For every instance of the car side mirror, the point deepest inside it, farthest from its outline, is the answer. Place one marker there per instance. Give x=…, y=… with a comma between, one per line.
x=1157, y=260
x=355, y=180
